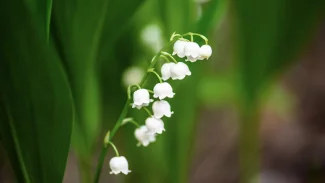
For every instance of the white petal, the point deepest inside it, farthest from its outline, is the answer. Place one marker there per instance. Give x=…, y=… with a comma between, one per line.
x=154, y=125
x=141, y=98
x=165, y=71
x=163, y=90
x=179, y=46
x=191, y=59
x=192, y=49
x=161, y=108
x=205, y=51
x=179, y=71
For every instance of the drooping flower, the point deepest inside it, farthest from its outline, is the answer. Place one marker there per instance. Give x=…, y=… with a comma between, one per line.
x=155, y=125
x=161, y=108
x=163, y=90
x=165, y=71
x=192, y=50
x=179, y=71
x=119, y=164
x=192, y=59
x=141, y=98
x=179, y=48
x=142, y=135
x=205, y=52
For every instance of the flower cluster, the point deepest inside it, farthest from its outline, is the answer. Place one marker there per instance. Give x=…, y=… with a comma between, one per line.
x=162, y=91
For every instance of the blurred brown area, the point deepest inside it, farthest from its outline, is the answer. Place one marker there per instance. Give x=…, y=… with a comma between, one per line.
x=293, y=146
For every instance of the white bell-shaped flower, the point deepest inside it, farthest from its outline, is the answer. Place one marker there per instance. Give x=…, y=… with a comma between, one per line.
x=119, y=164
x=161, y=108
x=165, y=71
x=141, y=98
x=179, y=71
x=179, y=48
x=192, y=50
x=155, y=125
x=205, y=52
x=142, y=135
x=163, y=90
x=192, y=59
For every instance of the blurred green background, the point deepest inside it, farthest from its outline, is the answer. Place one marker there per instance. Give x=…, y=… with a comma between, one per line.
x=254, y=112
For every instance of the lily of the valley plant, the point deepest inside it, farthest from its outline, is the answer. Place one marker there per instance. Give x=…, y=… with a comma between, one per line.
x=154, y=125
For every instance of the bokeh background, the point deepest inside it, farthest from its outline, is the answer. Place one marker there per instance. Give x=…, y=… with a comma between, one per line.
x=253, y=112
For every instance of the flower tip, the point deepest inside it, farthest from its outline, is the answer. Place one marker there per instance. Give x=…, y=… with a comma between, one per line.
x=126, y=172
x=171, y=95
x=113, y=172
x=164, y=78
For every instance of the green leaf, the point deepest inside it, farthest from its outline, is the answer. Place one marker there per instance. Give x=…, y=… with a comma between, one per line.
x=41, y=11
x=117, y=18
x=85, y=32
x=36, y=108
x=212, y=13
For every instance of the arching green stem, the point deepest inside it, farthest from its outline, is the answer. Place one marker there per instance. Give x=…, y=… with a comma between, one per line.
x=114, y=147
x=169, y=56
x=130, y=88
x=155, y=73
x=196, y=34
x=166, y=58
x=147, y=110
x=130, y=120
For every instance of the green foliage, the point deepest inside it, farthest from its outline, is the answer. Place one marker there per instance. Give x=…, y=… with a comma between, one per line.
x=85, y=32
x=36, y=106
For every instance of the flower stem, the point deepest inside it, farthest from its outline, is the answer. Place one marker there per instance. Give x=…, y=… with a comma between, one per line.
x=175, y=35
x=147, y=110
x=123, y=114
x=166, y=58
x=130, y=88
x=130, y=120
x=154, y=72
x=135, y=123
x=114, y=147
x=196, y=34
x=170, y=56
